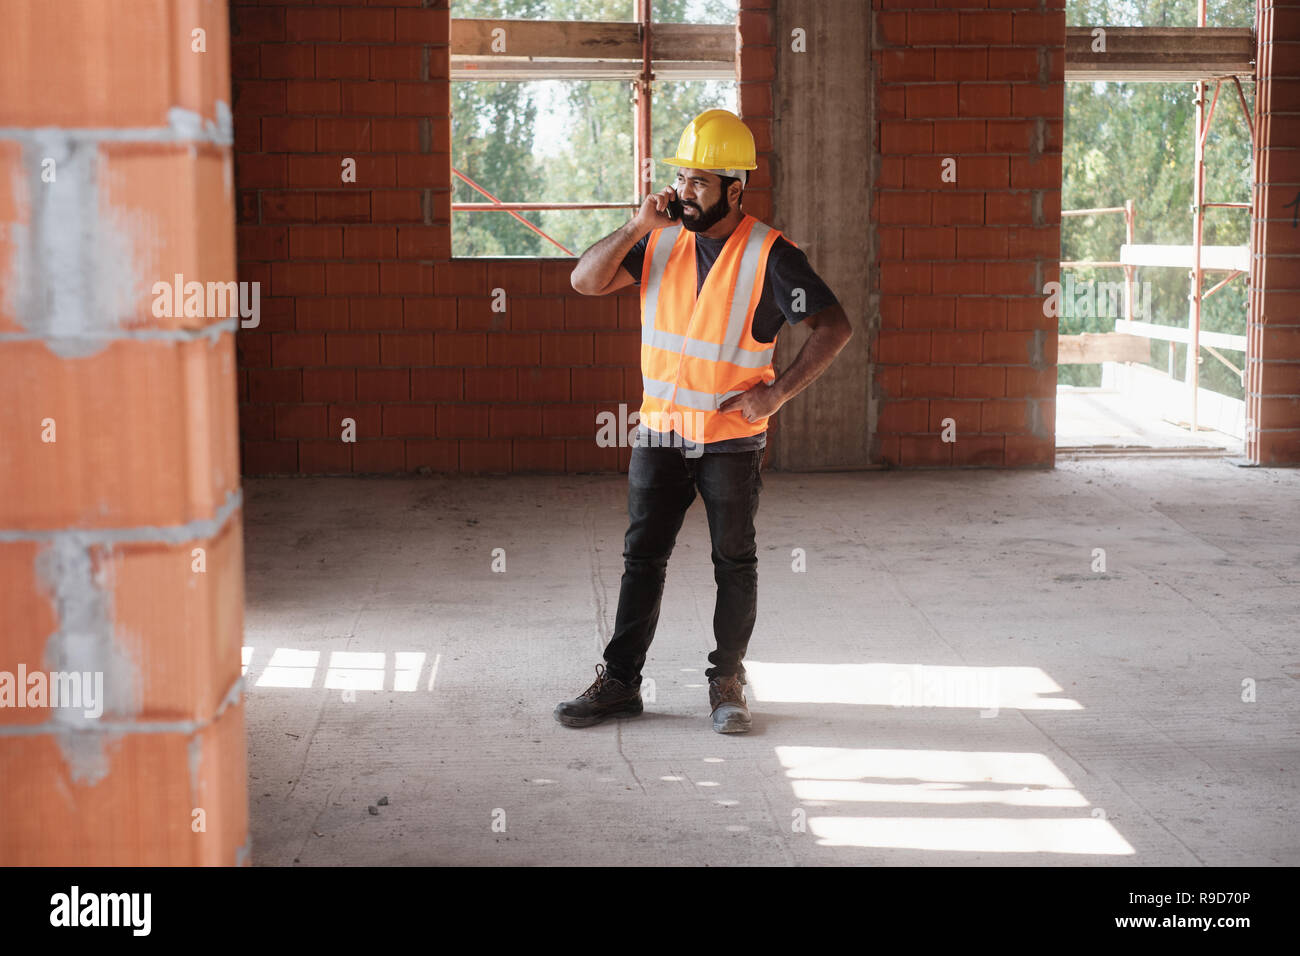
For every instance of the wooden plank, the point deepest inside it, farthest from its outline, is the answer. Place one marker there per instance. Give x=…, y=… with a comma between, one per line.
x=530, y=38
x=1090, y=348
x=694, y=41
x=515, y=68
x=568, y=40
x=1159, y=54
x=1180, y=333
x=1226, y=258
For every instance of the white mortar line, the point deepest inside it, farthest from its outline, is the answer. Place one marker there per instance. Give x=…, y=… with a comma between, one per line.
x=182, y=126
x=121, y=727
x=213, y=331
x=168, y=534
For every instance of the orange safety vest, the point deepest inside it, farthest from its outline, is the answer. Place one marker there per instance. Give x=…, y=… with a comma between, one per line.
x=697, y=352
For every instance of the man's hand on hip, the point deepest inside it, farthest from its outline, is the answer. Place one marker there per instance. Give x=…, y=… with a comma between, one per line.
x=754, y=404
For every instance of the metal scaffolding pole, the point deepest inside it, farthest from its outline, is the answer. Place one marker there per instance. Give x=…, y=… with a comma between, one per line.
x=643, y=177
x=1193, y=365
x=1129, y=271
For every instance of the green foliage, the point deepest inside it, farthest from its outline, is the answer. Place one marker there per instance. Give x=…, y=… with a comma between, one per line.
x=491, y=137
x=1136, y=141
x=1158, y=13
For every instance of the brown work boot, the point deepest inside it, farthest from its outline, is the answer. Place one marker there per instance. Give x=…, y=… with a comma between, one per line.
x=730, y=712
x=607, y=697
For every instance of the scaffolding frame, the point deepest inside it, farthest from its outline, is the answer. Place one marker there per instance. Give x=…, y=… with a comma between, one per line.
x=1199, y=204
x=1197, y=293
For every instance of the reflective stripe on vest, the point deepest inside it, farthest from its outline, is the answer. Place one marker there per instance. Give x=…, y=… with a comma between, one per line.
x=716, y=337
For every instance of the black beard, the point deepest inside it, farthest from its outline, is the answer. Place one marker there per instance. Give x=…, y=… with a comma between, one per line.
x=707, y=218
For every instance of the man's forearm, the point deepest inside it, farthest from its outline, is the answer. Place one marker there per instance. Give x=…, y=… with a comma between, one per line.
x=596, y=267
x=813, y=359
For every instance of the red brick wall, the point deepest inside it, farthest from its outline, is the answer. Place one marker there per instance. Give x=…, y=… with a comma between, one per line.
x=962, y=264
x=365, y=315
x=1273, y=324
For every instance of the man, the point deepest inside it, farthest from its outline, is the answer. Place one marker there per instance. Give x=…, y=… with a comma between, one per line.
x=716, y=287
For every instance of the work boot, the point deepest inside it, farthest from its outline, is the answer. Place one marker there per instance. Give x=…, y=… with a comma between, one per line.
x=607, y=697
x=730, y=712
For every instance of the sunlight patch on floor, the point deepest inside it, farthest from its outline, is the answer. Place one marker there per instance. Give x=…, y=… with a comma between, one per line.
x=958, y=781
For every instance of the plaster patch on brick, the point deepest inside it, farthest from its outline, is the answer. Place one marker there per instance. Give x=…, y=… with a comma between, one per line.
x=80, y=595
x=72, y=276
x=194, y=756
x=187, y=124
x=1039, y=424
x=1038, y=350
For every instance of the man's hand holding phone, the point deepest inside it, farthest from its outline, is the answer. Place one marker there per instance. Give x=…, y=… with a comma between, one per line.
x=660, y=209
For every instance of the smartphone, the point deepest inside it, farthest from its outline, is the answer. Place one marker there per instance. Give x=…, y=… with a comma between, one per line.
x=674, y=209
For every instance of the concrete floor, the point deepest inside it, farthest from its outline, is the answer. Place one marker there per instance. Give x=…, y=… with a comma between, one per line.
x=1108, y=418
x=949, y=682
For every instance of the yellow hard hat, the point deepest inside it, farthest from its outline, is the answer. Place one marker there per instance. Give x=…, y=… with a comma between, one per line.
x=717, y=141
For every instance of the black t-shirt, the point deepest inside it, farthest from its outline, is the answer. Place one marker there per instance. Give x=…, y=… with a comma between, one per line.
x=787, y=273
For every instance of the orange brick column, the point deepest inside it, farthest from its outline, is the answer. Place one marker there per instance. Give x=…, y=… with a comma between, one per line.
x=120, y=525
x=970, y=101
x=1273, y=318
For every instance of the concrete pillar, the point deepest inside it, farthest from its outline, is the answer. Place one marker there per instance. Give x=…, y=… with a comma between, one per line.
x=821, y=195
x=121, y=566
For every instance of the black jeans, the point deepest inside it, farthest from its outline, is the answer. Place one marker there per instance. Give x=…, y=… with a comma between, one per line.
x=661, y=486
